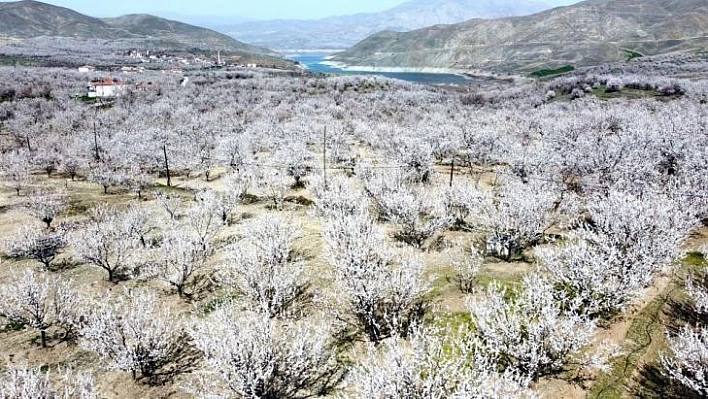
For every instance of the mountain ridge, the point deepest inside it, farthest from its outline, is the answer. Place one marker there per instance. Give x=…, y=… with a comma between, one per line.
x=586, y=33
x=340, y=32
x=28, y=19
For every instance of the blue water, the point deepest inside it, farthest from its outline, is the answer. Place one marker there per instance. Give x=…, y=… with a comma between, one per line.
x=313, y=62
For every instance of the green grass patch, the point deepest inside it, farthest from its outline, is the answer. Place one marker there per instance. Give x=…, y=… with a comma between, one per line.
x=626, y=93
x=443, y=278
x=602, y=93
x=454, y=320
x=542, y=73
x=444, y=281
x=695, y=259
x=645, y=338
x=214, y=304
x=87, y=99
x=631, y=54
x=645, y=330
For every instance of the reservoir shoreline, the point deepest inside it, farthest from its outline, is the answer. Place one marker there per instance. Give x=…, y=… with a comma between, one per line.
x=320, y=63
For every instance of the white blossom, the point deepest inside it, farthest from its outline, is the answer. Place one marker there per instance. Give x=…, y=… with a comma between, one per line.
x=534, y=334
x=250, y=355
x=22, y=382
x=41, y=302
x=688, y=361
x=34, y=243
x=135, y=333
x=104, y=242
x=378, y=294
x=266, y=269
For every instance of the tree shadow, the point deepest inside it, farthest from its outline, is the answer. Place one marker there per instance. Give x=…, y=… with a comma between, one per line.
x=680, y=313
x=183, y=357
x=652, y=379
x=299, y=200
x=63, y=265
x=655, y=384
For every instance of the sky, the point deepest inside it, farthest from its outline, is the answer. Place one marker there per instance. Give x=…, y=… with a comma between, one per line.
x=251, y=9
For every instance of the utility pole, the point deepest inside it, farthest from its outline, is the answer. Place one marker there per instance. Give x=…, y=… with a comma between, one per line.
x=167, y=166
x=95, y=142
x=324, y=157
x=95, y=135
x=452, y=169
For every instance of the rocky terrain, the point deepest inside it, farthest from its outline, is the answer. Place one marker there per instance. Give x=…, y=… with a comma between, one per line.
x=32, y=19
x=588, y=33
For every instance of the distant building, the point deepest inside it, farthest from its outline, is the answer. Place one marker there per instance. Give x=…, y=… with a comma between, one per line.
x=86, y=68
x=145, y=86
x=106, y=88
x=132, y=69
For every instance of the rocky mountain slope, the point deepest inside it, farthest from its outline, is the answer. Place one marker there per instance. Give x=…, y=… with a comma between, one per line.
x=154, y=27
x=344, y=31
x=30, y=19
x=590, y=32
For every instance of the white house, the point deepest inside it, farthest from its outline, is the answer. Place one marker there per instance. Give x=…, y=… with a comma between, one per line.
x=86, y=69
x=106, y=88
x=132, y=69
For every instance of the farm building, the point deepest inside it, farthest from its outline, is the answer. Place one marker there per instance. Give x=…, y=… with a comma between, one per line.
x=106, y=87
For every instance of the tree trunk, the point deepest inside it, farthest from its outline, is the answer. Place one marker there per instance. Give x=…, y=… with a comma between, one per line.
x=43, y=334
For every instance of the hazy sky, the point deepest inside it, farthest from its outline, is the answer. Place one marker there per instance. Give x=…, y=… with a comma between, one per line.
x=255, y=9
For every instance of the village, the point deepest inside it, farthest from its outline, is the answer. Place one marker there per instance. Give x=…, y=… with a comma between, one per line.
x=110, y=87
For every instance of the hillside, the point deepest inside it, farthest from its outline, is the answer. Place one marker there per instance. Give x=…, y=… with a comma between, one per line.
x=590, y=32
x=345, y=31
x=28, y=19
x=154, y=27
x=31, y=19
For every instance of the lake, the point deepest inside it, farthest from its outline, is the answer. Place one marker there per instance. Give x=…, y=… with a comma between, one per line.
x=314, y=63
